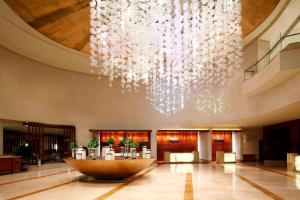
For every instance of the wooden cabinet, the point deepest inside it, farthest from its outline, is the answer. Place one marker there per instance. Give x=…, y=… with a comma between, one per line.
x=10, y=164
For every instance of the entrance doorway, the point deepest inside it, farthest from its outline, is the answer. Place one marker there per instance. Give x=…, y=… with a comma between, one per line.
x=37, y=141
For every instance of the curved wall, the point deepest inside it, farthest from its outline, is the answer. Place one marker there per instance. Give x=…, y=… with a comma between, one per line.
x=36, y=92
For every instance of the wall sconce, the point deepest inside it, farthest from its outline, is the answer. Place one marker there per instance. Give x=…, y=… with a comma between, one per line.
x=173, y=139
x=219, y=139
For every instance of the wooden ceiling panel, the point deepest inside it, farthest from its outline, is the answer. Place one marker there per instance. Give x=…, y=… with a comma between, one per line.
x=67, y=21
x=255, y=12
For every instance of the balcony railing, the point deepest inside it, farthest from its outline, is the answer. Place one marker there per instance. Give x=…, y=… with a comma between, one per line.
x=280, y=44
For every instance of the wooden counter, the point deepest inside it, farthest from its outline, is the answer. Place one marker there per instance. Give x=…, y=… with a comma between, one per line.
x=10, y=164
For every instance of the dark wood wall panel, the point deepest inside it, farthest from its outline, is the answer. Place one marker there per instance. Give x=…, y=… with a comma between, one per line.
x=13, y=140
x=280, y=139
x=224, y=145
x=117, y=135
x=187, y=142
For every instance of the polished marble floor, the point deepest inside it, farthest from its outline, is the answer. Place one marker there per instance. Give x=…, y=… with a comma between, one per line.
x=162, y=182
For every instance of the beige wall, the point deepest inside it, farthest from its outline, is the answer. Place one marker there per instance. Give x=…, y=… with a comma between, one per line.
x=36, y=92
x=250, y=55
x=251, y=137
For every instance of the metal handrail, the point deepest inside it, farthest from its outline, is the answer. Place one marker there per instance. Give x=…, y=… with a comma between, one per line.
x=270, y=51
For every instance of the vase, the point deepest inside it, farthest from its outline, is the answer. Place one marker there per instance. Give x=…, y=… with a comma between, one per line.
x=126, y=151
x=144, y=150
x=105, y=150
x=92, y=153
x=74, y=153
x=79, y=153
x=98, y=151
x=133, y=152
x=122, y=151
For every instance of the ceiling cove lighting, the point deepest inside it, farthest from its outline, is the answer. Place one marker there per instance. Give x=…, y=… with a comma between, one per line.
x=175, y=47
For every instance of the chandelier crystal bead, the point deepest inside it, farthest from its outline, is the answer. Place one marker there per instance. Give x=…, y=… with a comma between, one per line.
x=177, y=48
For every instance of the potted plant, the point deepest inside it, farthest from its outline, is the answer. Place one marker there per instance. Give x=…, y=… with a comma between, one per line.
x=123, y=141
x=73, y=147
x=143, y=146
x=132, y=145
x=123, y=144
x=92, y=147
x=110, y=142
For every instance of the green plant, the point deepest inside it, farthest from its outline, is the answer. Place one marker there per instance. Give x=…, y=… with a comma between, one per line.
x=132, y=144
x=143, y=143
x=93, y=143
x=124, y=141
x=73, y=145
x=110, y=141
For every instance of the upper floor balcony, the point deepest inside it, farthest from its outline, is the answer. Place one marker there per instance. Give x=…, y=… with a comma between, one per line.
x=278, y=64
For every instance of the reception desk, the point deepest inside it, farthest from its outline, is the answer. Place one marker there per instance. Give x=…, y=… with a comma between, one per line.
x=10, y=164
x=222, y=157
x=181, y=157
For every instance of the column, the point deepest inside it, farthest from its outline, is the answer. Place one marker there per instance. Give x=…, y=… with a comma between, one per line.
x=98, y=149
x=153, y=144
x=210, y=145
x=204, y=145
x=237, y=146
x=198, y=142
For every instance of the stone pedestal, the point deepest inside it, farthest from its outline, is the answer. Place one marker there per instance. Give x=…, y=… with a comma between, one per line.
x=291, y=161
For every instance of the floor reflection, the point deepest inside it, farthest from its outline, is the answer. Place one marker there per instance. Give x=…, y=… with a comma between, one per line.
x=229, y=168
x=181, y=168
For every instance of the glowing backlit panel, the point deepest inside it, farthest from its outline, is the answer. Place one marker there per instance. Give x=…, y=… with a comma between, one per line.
x=181, y=157
x=229, y=157
x=297, y=163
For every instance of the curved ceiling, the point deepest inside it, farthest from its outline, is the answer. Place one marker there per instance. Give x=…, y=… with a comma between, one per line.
x=67, y=21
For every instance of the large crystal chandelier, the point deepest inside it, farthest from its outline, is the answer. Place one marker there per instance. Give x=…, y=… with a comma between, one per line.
x=175, y=47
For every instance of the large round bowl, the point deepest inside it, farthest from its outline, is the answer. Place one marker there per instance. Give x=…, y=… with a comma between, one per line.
x=110, y=169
